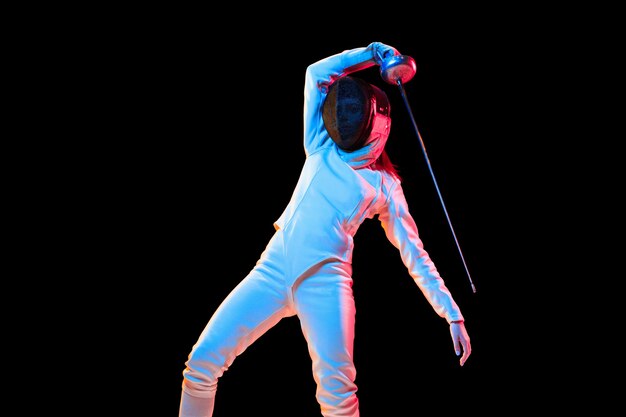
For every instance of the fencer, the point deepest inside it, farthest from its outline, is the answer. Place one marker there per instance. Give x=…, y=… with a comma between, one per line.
x=306, y=268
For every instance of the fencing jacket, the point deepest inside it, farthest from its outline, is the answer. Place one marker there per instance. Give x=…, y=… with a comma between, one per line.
x=338, y=190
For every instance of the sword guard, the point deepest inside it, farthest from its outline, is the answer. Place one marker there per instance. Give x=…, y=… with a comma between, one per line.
x=398, y=68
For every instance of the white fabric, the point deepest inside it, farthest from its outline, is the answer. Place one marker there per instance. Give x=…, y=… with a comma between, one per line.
x=306, y=268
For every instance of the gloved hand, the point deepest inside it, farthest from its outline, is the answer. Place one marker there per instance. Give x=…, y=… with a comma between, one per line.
x=382, y=52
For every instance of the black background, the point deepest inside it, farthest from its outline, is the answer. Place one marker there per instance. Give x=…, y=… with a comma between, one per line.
x=201, y=148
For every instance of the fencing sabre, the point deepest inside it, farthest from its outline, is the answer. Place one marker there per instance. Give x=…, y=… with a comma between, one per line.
x=397, y=70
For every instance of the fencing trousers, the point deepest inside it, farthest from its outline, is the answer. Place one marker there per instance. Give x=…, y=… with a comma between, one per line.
x=321, y=298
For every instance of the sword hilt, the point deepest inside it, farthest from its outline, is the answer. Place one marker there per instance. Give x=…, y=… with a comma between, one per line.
x=398, y=69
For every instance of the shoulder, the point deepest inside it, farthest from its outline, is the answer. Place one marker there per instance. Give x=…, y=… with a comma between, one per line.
x=391, y=185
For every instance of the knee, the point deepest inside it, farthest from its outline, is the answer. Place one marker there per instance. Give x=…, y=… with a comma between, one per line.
x=199, y=383
x=336, y=394
x=336, y=383
x=198, y=386
x=202, y=370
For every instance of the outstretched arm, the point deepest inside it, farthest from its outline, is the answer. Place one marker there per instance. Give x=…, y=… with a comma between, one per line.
x=401, y=230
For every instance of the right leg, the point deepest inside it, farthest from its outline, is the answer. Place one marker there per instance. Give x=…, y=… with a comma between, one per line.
x=252, y=308
x=325, y=305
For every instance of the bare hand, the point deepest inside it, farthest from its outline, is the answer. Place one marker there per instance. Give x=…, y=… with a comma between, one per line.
x=461, y=341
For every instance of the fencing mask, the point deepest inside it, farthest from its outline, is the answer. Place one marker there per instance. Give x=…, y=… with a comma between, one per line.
x=355, y=111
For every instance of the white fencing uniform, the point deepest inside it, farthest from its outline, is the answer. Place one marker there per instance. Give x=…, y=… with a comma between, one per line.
x=306, y=268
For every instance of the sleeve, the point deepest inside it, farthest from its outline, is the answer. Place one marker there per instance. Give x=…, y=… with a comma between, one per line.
x=318, y=78
x=401, y=230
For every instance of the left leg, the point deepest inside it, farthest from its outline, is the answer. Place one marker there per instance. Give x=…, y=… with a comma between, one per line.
x=324, y=303
x=255, y=305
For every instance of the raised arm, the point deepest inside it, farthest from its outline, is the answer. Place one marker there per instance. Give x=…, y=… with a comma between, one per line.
x=321, y=74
